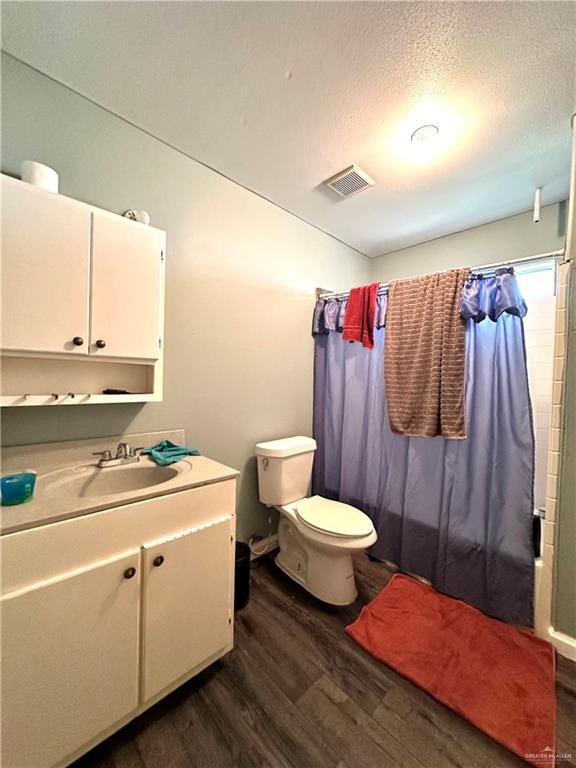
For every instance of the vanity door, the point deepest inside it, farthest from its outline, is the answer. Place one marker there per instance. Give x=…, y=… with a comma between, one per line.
x=188, y=594
x=69, y=660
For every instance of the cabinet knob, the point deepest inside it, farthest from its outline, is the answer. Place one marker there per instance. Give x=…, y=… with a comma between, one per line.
x=129, y=573
x=77, y=341
x=100, y=343
x=158, y=561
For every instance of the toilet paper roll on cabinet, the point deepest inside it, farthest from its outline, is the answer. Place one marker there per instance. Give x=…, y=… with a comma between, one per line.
x=40, y=175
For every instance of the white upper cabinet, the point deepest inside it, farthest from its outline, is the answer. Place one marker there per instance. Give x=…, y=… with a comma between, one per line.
x=45, y=270
x=82, y=293
x=78, y=280
x=127, y=288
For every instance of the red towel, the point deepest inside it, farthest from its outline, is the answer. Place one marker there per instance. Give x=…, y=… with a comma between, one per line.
x=360, y=313
x=500, y=678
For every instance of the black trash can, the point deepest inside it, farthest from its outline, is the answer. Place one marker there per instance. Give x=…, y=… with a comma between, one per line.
x=242, y=576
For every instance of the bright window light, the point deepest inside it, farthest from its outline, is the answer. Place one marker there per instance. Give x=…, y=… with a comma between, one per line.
x=537, y=280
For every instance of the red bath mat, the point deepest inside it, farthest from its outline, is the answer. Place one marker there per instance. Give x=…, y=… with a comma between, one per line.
x=500, y=678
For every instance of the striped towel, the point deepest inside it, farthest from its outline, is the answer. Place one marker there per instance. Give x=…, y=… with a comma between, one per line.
x=425, y=355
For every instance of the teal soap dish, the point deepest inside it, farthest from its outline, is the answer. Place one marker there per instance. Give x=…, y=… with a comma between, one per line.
x=17, y=489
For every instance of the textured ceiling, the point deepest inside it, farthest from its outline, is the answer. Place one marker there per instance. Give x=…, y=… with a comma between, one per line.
x=279, y=96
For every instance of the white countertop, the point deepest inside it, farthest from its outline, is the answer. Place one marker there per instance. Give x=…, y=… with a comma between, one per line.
x=55, y=501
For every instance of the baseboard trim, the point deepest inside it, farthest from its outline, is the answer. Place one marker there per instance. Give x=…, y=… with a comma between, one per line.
x=564, y=644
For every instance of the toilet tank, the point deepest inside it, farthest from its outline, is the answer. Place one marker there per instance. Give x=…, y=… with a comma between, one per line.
x=285, y=469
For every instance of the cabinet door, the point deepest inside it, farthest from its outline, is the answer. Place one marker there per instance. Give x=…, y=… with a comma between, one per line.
x=127, y=288
x=69, y=661
x=187, y=603
x=45, y=270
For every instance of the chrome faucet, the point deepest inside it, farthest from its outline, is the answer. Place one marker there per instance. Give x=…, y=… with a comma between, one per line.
x=125, y=454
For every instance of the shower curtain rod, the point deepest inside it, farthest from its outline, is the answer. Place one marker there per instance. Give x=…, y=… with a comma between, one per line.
x=483, y=268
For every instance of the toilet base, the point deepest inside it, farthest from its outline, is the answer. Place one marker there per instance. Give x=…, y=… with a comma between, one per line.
x=327, y=573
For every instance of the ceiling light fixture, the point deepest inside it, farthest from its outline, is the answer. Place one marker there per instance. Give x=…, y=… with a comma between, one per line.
x=428, y=133
x=425, y=134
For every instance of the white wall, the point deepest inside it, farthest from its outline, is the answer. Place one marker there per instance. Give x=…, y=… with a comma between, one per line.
x=241, y=276
x=510, y=238
x=539, y=330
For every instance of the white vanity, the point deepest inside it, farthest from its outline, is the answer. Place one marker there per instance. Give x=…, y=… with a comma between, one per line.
x=114, y=592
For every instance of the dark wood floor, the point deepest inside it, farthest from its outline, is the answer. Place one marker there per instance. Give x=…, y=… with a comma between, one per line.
x=298, y=693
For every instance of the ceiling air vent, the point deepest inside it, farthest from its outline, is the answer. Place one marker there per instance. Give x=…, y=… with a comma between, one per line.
x=350, y=181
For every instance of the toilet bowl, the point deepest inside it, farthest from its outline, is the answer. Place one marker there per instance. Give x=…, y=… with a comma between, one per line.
x=317, y=537
x=318, y=557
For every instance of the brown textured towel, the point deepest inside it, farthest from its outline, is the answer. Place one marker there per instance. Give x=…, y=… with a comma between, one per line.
x=425, y=355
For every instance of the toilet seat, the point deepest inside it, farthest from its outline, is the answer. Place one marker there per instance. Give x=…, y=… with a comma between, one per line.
x=333, y=518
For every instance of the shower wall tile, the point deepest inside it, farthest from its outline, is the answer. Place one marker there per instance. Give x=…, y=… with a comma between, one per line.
x=556, y=425
x=543, y=421
x=560, y=344
x=553, y=463
x=539, y=333
x=545, y=568
x=542, y=404
x=548, y=555
x=557, y=387
x=562, y=320
x=554, y=440
x=559, y=368
x=540, y=388
x=549, y=533
x=551, y=486
x=543, y=591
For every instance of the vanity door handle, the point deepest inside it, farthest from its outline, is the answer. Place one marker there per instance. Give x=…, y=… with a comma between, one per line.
x=77, y=341
x=129, y=573
x=157, y=562
x=100, y=343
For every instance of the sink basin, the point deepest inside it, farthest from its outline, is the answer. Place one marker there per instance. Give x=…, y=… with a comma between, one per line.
x=91, y=481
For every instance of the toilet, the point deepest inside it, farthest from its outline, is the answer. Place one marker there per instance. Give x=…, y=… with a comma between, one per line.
x=317, y=537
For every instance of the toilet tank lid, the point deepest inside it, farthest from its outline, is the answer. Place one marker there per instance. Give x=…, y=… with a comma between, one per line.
x=287, y=446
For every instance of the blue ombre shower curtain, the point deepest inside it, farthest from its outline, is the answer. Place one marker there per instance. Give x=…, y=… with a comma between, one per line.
x=457, y=512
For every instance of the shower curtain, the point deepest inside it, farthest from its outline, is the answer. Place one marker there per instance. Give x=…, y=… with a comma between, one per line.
x=457, y=512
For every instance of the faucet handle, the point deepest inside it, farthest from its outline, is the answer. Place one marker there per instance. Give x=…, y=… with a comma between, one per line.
x=136, y=451
x=105, y=455
x=122, y=450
